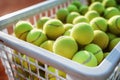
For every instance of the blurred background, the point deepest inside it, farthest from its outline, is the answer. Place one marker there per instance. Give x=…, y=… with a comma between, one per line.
x=8, y=6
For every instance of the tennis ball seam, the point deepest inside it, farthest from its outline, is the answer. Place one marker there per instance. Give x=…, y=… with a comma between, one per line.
x=36, y=38
x=116, y=22
x=97, y=26
x=88, y=59
x=97, y=52
x=23, y=33
x=107, y=14
x=56, y=25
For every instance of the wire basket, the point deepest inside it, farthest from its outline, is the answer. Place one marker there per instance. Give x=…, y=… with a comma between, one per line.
x=24, y=61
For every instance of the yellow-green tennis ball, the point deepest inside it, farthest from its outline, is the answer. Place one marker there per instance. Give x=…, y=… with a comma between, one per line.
x=72, y=8
x=22, y=72
x=113, y=43
x=53, y=70
x=67, y=33
x=77, y=3
x=114, y=24
x=53, y=78
x=96, y=1
x=97, y=6
x=36, y=37
x=48, y=45
x=33, y=77
x=109, y=3
x=19, y=77
x=68, y=26
x=71, y=16
x=80, y=19
x=96, y=50
x=83, y=9
x=53, y=28
x=101, y=38
x=15, y=57
x=91, y=14
x=106, y=54
x=99, y=23
x=42, y=21
x=16, y=60
x=65, y=46
x=25, y=64
x=110, y=12
x=32, y=66
x=22, y=28
x=111, y=36
x=61, y=14
x=86, y=58
x=82, y=33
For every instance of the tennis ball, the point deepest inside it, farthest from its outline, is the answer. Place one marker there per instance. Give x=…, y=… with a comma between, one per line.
x=99, y=23
x=96, y=1
x=114, y=24
x=15, y=57
x=53, y=28
x=71, y=16
x=22, y=72
x=72, y=8
x=62, y=17
x=33, y=77
x=19, y=77
x=110, y=12
x=82, y=33
x=25, y=64
x=53, y=70
x=67, y=33
x=53, y=78
x=41, y=22
x=68, y=26
x=65, y=46
x=86, y=58
x=83, y=9
x=101, y=39
x=111, y=36
x=22, y=28
x=36, y=37
x=106, y=54
x=77, y=3
x=80, y=19
x=16, y=60
x=48, y=45
x=91, y=14
x=97, y=6
x=113, y=43
x=109, y=3
x=95, y=50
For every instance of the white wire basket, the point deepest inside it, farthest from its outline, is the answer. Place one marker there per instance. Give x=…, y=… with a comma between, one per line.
x=18, y=67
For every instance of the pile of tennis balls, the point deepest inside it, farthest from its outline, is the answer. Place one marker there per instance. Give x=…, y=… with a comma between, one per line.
x=85, y=34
